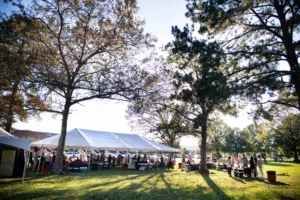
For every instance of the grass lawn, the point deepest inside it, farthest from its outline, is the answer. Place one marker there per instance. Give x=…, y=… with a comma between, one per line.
x=155, y=184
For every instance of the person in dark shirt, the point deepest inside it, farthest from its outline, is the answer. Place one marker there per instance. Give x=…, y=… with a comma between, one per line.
x=113, y=161
x=255, y=164
x=109, y=160
x=252, y=167
x=30, y=160
x=53, y=160
x=139, y=158
x=183, y=158
x=145, y=157
x=162, y=161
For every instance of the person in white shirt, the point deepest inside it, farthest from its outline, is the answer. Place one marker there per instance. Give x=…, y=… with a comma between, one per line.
x=259, y=165
x=229, y=165
x=245, y=161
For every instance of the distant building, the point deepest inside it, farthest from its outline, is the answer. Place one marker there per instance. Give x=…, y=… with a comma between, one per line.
x=32, y=135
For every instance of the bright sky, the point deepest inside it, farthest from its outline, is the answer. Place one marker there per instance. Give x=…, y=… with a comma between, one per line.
x=160, y=15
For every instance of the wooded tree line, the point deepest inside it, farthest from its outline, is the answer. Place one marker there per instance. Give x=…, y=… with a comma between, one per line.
x=55, y=54
x=276, y=138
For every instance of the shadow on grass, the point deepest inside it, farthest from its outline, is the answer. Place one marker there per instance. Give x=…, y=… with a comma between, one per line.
x=241, y=180
x=118, y=184
x=217, y=191
x=261, y=180
x=279, y=164
x=4, y=180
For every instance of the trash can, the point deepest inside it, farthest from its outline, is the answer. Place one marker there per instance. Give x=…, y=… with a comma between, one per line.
x=271, y=176
x=179, y=165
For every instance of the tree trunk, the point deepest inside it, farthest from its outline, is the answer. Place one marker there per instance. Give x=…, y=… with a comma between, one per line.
x=203, y=149
x=10, y=114
x=171, y=142
x=218, y=152
x=290, y=49
x=62, y=139
x=296, y=155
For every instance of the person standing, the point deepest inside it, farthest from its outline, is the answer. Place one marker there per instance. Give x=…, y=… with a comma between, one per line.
x=183, y=162
x=183, y=159
x=47, y=161
x=145, y=157
x=229, y=166
x=259, y=165
x=214, y=159
x=102, y=158
x=113, y=161
x=35, y=160
x=53, y=160
x=252, y=167
x=244, y=161
x=190, y=158
x=30, y=162
x=255, y=163
x=109, y=160
x=162, y=163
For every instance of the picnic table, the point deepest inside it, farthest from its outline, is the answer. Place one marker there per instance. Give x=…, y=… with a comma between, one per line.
x=102, y=166
x=239, y=172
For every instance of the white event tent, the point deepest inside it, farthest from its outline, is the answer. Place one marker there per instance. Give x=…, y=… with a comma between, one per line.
x=90, y=139
x=9, y=145
x=12, y=141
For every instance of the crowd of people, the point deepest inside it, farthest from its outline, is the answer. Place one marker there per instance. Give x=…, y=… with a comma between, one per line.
x=237, y=162
x=233, y=163
x=119, y=160
x=46, y=162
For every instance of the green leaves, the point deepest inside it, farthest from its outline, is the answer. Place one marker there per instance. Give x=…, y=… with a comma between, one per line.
x=261, y=35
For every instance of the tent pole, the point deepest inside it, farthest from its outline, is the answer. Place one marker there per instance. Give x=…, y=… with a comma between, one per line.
x=24, y=170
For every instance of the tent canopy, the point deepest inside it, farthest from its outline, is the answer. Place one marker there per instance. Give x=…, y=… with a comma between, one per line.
x=12, y=141
x=90, y=139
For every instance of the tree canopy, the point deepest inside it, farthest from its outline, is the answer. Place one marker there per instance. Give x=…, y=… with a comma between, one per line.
x=262, y=35
x=201, y=80
x=287, y=134
x=19, y=97
x=86, y=46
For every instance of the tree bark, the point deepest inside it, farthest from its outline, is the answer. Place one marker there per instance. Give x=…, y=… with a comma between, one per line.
x=203, y=148
x=296, y=156
x=218, y=152
x=290, y=49
x=10, y=114
x=171, y=142
x=61, y=143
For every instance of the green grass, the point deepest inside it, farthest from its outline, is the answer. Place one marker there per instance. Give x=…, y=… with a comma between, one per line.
x=156, y=184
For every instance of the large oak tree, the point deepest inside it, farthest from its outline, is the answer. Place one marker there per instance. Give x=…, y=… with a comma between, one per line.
x=85, y=46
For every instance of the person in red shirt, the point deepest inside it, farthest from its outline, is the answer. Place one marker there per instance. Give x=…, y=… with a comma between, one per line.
x=214, y=159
